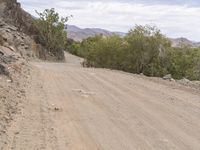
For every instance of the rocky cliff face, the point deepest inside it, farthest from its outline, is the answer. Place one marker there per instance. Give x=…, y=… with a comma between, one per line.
x=18, y=31
x=13, y=14
x=16, y=46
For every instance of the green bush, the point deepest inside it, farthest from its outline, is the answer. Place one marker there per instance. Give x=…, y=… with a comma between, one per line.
x=143, y=50
x=102, y=51
x=73, y=47
x=184, y=62
x=51, y=28
x=139, y=52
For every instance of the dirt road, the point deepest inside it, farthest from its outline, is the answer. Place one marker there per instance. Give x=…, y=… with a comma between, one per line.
x=74, y=108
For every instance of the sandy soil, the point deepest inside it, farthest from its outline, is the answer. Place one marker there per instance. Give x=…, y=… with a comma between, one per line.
x=74, y=108
x=12, y=95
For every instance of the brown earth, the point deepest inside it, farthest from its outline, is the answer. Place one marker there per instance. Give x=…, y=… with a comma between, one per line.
x=69, y=107
x=12, y=95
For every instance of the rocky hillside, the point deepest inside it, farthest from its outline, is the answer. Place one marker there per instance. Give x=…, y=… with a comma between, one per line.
x=79, y=34
x=177, y=42
x=16, y=28
x=18, y=31
x=17, y=45
x=12, y=13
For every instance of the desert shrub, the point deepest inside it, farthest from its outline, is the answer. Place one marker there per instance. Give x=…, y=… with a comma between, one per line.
x=73, y=47
x=184, y=62
x=143, y=50
x=52, y=33
x=139, y=52
x=102, y=51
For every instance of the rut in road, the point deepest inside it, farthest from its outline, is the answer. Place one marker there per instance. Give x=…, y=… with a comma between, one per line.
x=69, y=107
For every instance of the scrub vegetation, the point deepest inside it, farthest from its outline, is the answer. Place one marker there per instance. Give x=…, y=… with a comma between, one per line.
x=143, y=50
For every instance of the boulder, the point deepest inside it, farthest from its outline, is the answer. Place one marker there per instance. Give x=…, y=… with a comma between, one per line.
x=185, y=80
x=167, y=77
x=1, y=53
x=3, y=70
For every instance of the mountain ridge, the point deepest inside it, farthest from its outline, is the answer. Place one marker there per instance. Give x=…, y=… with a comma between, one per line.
x=178, y=42
x=78, y=34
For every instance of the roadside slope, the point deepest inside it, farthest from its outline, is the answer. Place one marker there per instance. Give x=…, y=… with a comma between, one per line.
x=78, y=108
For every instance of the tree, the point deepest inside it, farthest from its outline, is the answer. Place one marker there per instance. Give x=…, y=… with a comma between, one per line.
x=184, y=62
x=51, y=28
x=146, y=46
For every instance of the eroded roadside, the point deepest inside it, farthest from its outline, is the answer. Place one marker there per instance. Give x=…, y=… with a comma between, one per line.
x=13, y=82
x=64, y=106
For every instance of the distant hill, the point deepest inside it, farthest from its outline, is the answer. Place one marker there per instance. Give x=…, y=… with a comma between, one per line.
x=78, y=34
x=177, y=42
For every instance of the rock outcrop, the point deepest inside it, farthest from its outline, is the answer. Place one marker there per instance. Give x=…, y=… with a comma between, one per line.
x=16, y=41
x=17, y=30
x=19, y=33
x=13, y=14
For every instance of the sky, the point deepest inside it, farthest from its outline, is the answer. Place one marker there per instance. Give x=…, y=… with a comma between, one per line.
x=175, y=18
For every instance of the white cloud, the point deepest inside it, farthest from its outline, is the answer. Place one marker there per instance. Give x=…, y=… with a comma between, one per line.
x=174, y=20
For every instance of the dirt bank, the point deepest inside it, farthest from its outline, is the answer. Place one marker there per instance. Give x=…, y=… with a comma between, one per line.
x=12, y=95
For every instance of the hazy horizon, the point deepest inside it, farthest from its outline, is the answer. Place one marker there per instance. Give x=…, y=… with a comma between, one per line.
x=178, y=18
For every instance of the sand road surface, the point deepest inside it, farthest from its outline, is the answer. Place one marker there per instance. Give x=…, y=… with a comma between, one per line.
x=74, y=108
